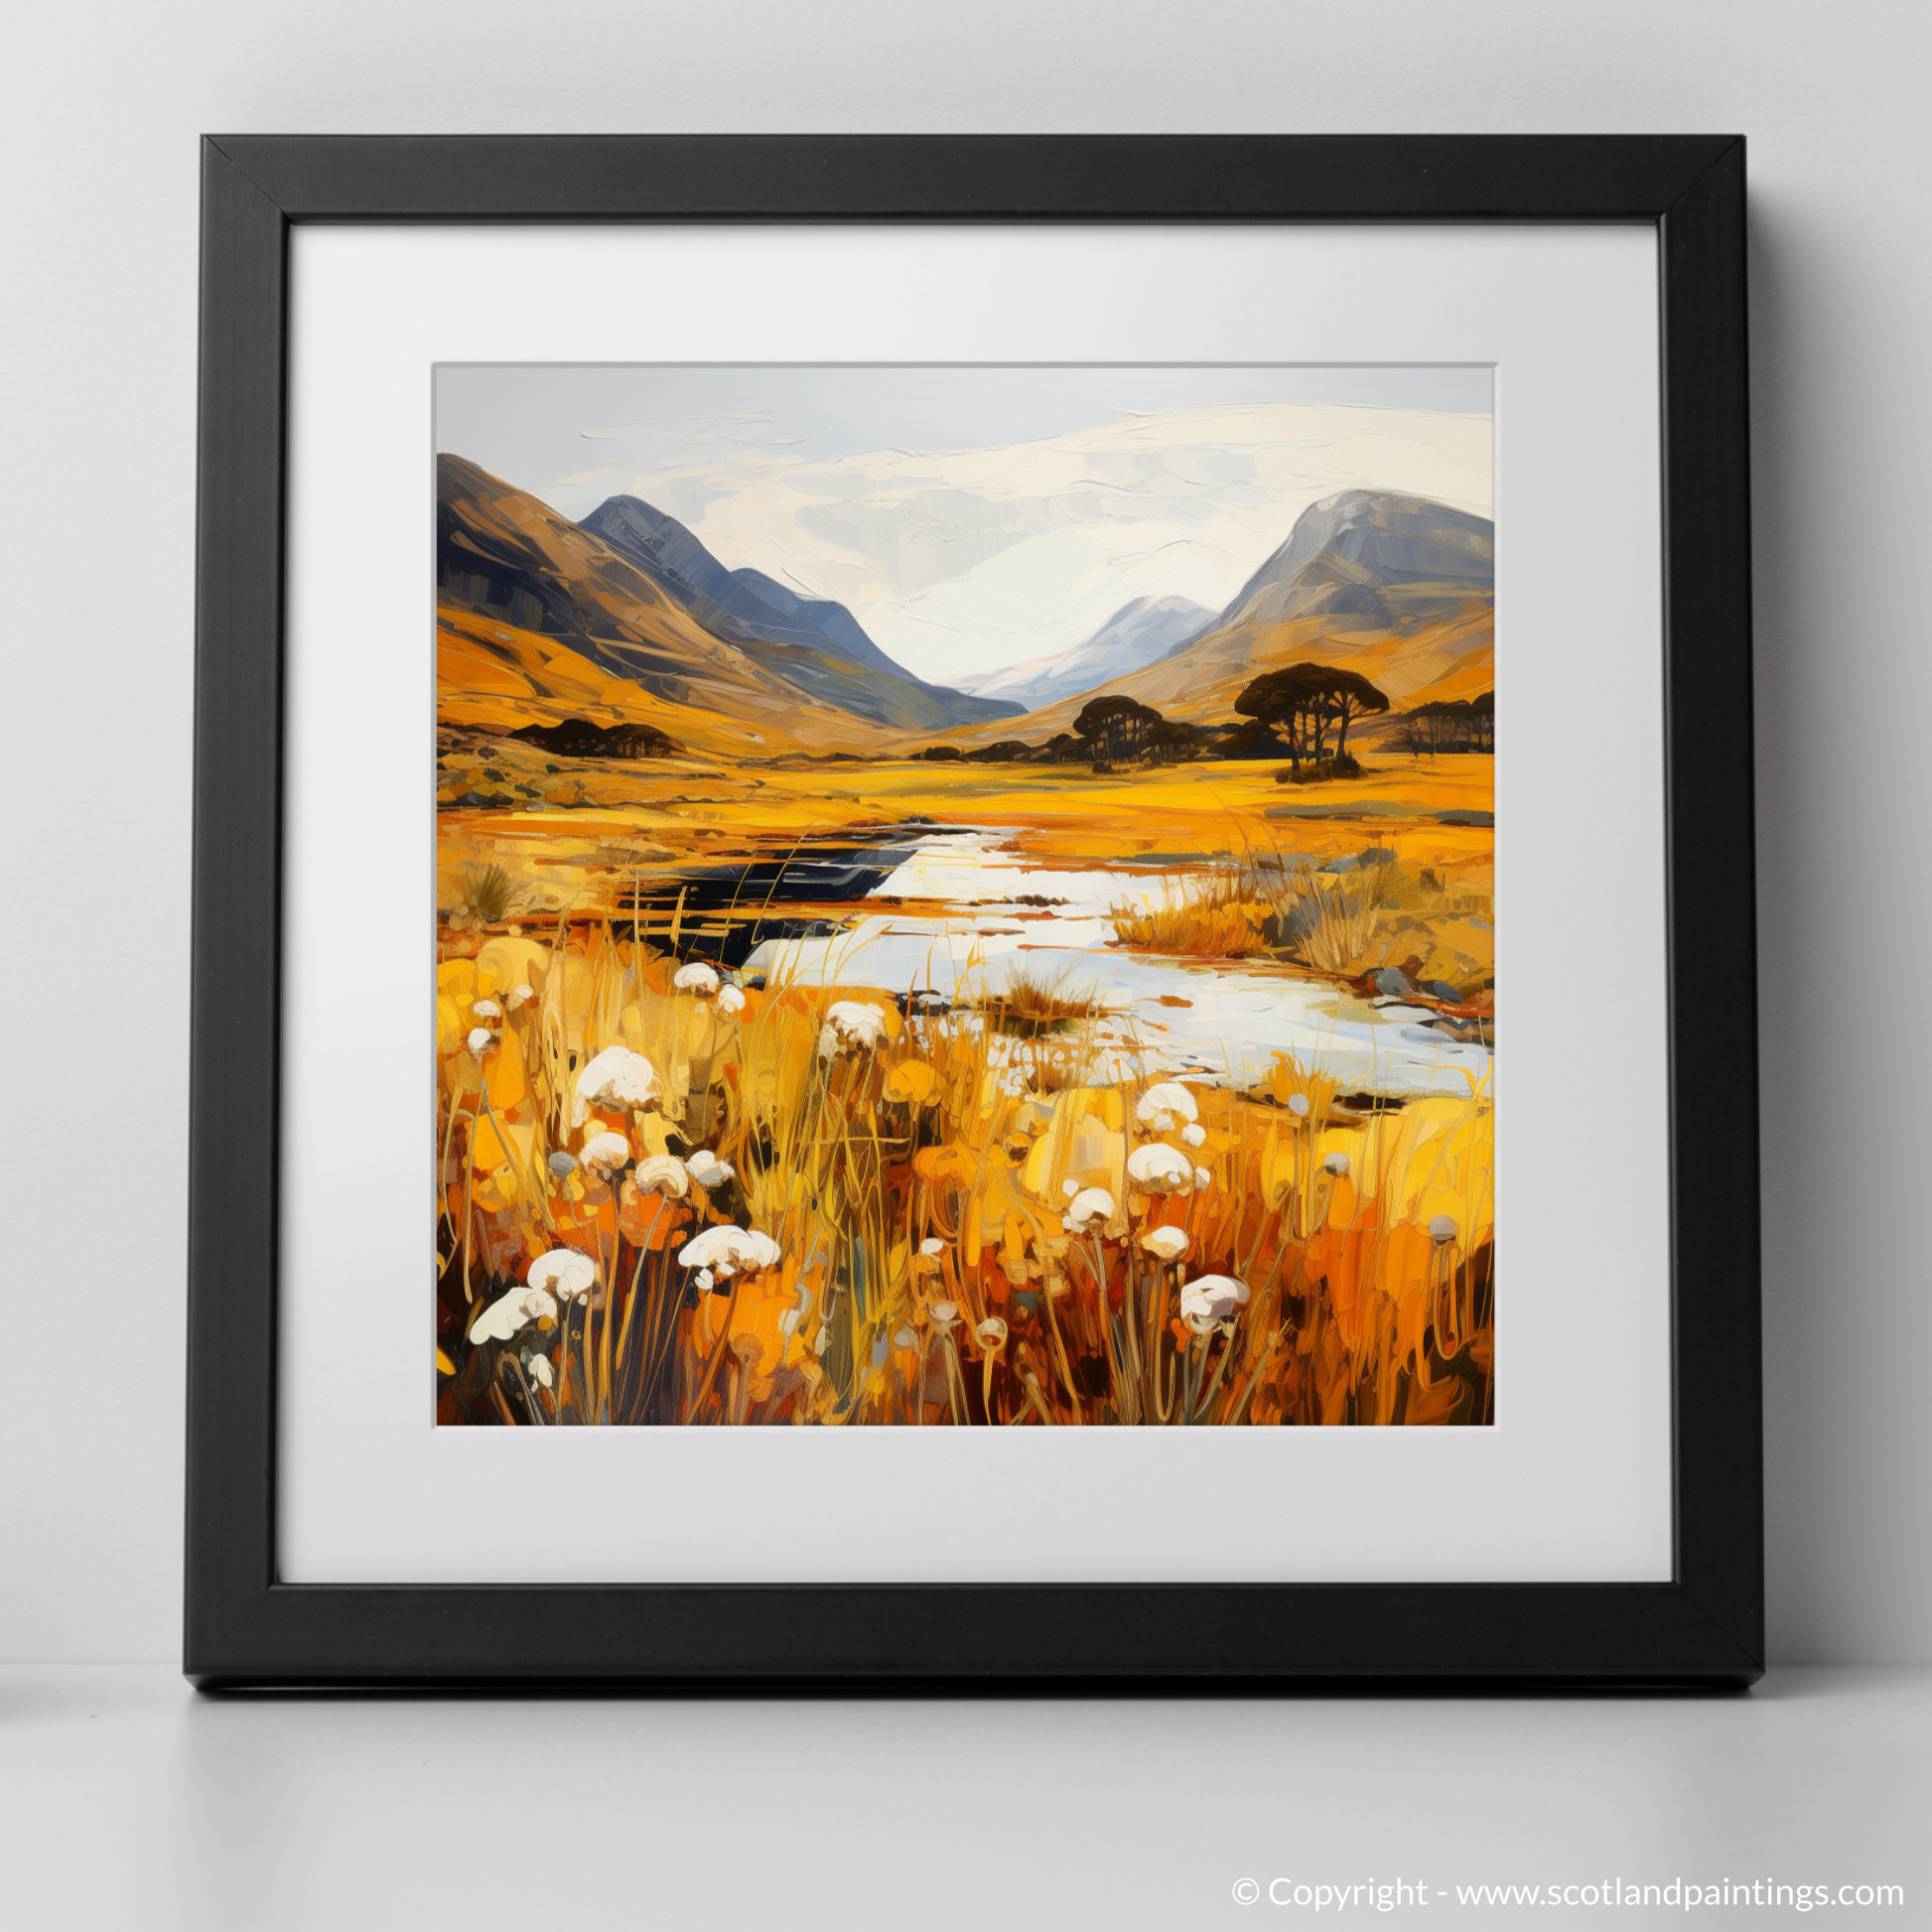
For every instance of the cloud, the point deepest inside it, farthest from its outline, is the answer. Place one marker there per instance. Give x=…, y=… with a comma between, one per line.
x=970, y=560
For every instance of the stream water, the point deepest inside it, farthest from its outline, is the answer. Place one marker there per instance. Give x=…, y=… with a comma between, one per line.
x=1211, y=1019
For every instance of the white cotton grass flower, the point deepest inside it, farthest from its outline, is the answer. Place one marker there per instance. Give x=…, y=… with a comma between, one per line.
x=1210, y=1300
x=605, y=1153
x=540, y=1370
x=1298, y=1105
x=512, y=1312
x=1089, y=1206
x=564, y=1272
x=696, y=978
x=617, y=1079
x=729, y=1250
x=1069, y=1189
x=850, y=1023
x=519, y=996
x=1441, y=1230
x=1203, y=1178
x=992, y=1332
x=943, y=1314
x=481, y=1040
x=487, y=1010
x=1167, y=1243
x=932, y=1245
x=1166, y=1097
x=1157, y=1169
x=707, y=1170
x=1335, y=1163
x=1195, y=1134
x=730, y=999
x=703, y=1281
x=661, y=1173
x=905, y=1338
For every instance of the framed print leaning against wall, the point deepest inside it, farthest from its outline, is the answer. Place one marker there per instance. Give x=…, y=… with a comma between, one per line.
x=944, y=891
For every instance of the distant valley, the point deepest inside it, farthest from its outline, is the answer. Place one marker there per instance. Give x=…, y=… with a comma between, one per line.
x=1138, y=633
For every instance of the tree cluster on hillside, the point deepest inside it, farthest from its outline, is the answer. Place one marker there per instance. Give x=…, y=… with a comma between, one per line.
x=1115, y=731
x=1450, y=725
x=578, y=738
x=1301, y=713
x=1304, y=702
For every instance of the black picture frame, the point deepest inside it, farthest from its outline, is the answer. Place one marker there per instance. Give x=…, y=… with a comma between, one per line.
x=244, y=1626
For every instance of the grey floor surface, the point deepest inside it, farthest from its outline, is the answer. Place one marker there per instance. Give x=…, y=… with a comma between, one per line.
x=126, y=1801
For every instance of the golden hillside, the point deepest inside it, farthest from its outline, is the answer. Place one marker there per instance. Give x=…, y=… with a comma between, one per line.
x=497, y=676
x=1451, y=658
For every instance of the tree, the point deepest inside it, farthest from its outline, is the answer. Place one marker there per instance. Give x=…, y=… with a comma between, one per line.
x=1063, y=748
x=578, y=738
x=1450, y=725
x=1302, y=701
x=1116, y=729
x=1349, y=696
x=1285, y=700
x=1170, y=740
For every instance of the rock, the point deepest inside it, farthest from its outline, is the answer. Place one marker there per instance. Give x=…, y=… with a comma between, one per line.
x=1390, y=983
x=1374, y=854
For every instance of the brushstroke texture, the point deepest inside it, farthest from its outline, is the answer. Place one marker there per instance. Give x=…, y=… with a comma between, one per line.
x=1141, y=632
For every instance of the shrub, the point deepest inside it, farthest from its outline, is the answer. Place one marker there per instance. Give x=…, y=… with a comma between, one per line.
x=1328, y=918
x=1213, y=915
x=1315, y=774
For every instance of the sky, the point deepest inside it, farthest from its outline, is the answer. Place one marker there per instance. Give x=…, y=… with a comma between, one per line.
x=975, y=517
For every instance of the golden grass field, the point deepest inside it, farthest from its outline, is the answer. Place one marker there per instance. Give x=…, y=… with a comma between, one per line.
x=716, y=1203
x=594, y=834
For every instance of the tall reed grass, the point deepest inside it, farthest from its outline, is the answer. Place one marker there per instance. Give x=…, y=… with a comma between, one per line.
x=1220, y=915
x=664, y=1198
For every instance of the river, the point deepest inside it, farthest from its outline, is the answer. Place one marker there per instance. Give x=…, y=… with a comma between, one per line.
x=1218, y=1021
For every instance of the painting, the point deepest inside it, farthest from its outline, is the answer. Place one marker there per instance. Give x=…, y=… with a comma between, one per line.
x=964, y=896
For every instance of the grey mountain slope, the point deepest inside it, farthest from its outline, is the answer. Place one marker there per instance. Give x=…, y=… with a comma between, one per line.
x=1366, y=553
x=1141, y=632
x=749, y=609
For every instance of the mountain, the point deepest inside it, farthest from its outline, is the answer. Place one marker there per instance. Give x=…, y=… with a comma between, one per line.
x=1396, y=588
x=529, y=604
x=1141, y=632
x=749, y=609
x=539, y=621
x=1366, y=554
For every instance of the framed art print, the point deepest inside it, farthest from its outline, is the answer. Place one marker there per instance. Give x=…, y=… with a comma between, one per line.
x=945, y=902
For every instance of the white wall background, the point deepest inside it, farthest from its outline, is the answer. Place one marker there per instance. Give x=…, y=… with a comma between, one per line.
x=98, y=174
